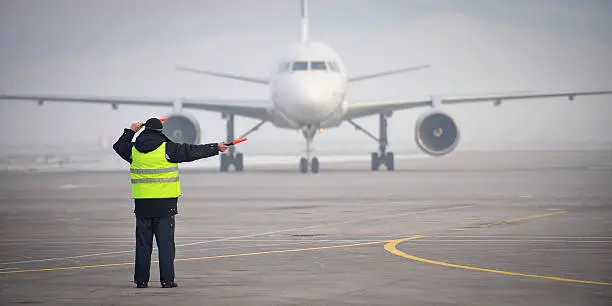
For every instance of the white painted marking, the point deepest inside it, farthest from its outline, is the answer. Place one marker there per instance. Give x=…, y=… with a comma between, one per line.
x=271, y=245
x=8, y=269
x=68, y=242
x=252, y=235
x=529, y=237
x=600, y=168
x=99, y=239
x=132, y=241
x=572, y=249
x=74, y=186
x=332, y=224
x=514, y=240
x=242, y=246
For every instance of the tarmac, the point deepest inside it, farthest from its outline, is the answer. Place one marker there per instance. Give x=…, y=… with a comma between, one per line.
x=519, y=228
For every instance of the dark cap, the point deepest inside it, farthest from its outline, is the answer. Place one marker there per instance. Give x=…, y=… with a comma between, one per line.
x=154, y=123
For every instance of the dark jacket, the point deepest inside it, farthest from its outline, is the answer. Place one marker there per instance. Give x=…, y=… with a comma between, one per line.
x=148, y=141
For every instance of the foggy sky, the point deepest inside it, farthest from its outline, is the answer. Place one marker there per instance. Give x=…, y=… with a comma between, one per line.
x=129, y=49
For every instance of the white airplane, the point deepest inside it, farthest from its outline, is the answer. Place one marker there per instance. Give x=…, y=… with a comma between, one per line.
x=307, y=93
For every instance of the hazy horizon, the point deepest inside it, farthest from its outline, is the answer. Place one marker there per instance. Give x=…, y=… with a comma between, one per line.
x=120, y=49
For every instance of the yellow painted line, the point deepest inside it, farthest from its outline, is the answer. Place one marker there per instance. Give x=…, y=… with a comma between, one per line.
x=559, y=212
x=205, y=257
x=391, y=247
x=68, y=268
x=388, y=244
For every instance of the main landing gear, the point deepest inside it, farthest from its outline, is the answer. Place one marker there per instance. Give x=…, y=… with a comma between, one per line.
x=231, y=157
x=308, y=162
x=309, y=132
x=382, y=157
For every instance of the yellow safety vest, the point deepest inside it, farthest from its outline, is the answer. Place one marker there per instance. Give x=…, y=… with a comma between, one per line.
x=153, y=176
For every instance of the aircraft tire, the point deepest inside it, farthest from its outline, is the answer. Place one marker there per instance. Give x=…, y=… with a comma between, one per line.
x=224, y=162
x=390, y=161
x=239, y=162
x=375, y=161
x=315, y=165
x=303, y=165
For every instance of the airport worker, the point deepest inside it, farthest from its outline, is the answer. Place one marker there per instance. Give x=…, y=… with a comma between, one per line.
x=156, y=188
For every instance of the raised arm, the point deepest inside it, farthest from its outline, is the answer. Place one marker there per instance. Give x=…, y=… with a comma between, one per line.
x=123, y=145
x=178, y=153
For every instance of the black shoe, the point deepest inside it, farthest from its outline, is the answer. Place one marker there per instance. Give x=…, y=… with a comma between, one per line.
x=141, y=284
x=169, y=284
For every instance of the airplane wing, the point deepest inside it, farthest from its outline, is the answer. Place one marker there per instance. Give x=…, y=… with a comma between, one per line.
x=257, y=80
x=358, y=109
x=385, y=73
x=257, y=109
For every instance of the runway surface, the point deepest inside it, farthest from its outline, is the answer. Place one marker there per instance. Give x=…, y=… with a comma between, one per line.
x=522, y=228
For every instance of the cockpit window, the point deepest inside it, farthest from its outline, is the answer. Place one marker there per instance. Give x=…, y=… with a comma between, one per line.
x=300, y=66
x=318, y=66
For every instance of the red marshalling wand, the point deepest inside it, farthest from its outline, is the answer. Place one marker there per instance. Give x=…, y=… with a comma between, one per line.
x=237, y=141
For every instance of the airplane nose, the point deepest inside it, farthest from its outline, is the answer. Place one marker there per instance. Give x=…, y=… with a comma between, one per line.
x=314, y=101
x=312, y=94
x=307, y=100
x=313, y=91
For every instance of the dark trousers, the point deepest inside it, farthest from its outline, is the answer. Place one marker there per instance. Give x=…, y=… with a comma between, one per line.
x=163, y=230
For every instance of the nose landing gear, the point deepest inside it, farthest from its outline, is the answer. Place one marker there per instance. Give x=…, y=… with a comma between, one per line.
x=309, y=132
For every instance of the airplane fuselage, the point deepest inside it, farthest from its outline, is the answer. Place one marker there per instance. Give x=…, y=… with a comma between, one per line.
x=308, y=86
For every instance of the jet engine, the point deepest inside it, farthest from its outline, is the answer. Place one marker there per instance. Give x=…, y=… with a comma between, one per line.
x=436, y=133
x=182, y=128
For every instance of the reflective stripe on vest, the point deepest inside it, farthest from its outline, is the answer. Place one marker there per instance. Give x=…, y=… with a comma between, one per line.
x=155, y=180
x=151, y=171
x=153, y=176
